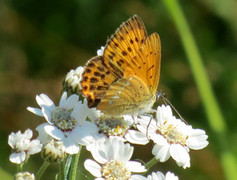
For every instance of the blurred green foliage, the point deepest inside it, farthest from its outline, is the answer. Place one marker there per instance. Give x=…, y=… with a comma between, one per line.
x=40, y=41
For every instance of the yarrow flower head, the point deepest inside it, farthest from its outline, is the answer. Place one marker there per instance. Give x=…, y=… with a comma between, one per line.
x=113, y=157
x=120, y=127
x=66, y=122
x=160, y=176
x=24, y=176
x=22, y=146
x=172, y=137
x=53, y=151
x=72, y=80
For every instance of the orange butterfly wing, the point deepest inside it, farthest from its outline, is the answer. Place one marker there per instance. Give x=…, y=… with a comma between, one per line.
x=129, y=51
x=132, y=61
x=132, y=94
x=124, y=45
x=96, y=80
x=150, y=55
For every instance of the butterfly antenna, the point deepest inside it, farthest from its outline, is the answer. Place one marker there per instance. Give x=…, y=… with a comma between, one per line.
x=166, y=101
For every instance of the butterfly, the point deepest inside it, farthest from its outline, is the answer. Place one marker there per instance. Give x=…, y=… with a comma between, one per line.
x=124, y=80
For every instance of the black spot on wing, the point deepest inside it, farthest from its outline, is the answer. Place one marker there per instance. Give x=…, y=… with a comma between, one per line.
x=88, y=70
x=124, y=53
x=92, y=87
x=101, y=69
x=102, y=76
x=94, y=80
x=91, y=64
x=151, y=67
x=97, y=73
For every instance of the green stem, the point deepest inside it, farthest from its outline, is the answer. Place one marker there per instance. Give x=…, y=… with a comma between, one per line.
x=74, y=165
x=19, y=167
x=67, y=166
x=214, y=114
x=151, y=163
x=42, y=169
x=60, y=175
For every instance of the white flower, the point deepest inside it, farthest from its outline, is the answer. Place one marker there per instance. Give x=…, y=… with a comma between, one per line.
x=22, y=146
x=24, y=176
x=121, y=127
x=100, y=52
x=114, y=158
x=53, y=151
x=172, y=137
x=66, y=122
x=73, y=78
x=160, y=176
x=135, y=136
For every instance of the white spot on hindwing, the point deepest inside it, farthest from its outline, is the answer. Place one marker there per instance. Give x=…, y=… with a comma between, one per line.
x=115, y=97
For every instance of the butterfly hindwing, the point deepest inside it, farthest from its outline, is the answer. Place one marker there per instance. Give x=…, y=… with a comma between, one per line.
x=126, y=96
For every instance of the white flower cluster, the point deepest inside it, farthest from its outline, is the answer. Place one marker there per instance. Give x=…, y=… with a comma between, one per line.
x=108, y=139
x=172, y=137
x=74, y=77
x=22, y=146
x=66, y=122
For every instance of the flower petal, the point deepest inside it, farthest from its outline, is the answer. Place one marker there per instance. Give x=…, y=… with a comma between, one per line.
x=18, y=158
x=136, y=137
x=43, y=136
x=36, y=111
x=180, y=155
x=63, y=99
x=85, y=134
x=156, y=176
x=137, y=177
x=171, y=176
x=45, y=102
x=134, y=166
x=197, y=139
x=93, y=167
x=161, y=153
x=54, y=132
x=28, y=134
x=35, y=147
x=70, y=145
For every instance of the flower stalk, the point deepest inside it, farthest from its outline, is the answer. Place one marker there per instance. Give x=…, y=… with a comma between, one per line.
x=74, y=164
x=42, y=169
x=151, y=163
x=20, y=167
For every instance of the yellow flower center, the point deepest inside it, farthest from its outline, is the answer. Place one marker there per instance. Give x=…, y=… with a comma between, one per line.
x=113, y=126
x=115, y=170
x=172, y=134
x=62, y=119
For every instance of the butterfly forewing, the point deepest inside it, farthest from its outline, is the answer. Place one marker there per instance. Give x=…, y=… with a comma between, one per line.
x=150, y=54
x=124, y=44
x=96, y=80
x=135, y=92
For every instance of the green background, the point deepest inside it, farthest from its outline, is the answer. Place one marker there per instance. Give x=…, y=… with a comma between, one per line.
x=40, y=41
